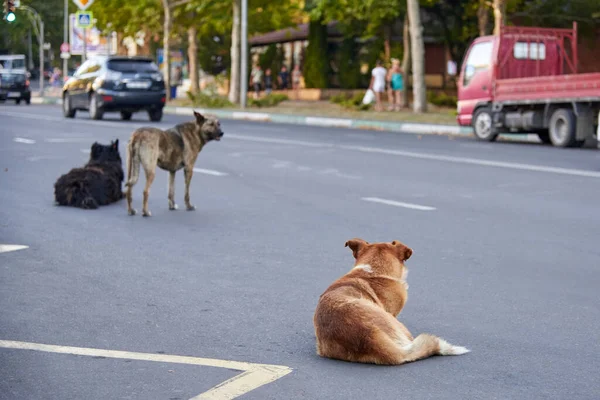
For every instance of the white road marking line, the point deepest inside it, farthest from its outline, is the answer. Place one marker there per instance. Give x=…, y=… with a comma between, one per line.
x=476, y=161
x=253, y=376
x=69, y=140
x=398, y=204
x=51, y=118
x=5, y=248
x=263, y=139
x=23, y=140
x=210, y=172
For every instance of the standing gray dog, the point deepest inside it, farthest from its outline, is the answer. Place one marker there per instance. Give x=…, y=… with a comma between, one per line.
x=171, y=150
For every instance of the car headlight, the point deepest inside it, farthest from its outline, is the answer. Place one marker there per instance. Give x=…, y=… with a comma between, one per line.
x=157, y=77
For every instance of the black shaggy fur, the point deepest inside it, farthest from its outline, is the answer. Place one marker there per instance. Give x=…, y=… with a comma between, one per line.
x=96, y=184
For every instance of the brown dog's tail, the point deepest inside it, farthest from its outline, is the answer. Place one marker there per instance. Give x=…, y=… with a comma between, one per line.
x=423, y=346
x=133, y=162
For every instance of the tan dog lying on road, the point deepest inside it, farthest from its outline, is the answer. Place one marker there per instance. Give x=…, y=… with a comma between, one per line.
x=171, y=150
x=355, y=319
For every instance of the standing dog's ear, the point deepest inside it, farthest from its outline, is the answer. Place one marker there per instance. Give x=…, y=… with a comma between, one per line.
x=356, y=245
x=403, y=251
x=116, y=144
x=199, y=117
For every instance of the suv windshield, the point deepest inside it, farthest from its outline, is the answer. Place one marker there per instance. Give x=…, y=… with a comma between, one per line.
x=12, y=78
x=132, y=66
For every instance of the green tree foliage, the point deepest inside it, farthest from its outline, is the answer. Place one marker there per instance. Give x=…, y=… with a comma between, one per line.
x=316, y=62
x=13, y=36
x=349, y=64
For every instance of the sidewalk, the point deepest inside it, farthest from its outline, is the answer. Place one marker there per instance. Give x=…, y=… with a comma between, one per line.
x=314, y=119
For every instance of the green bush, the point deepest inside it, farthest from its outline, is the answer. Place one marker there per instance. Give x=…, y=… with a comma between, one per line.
x=350, y=102
x=441, y=99
x=316, y=63
x=208, y=100
x=270, y=100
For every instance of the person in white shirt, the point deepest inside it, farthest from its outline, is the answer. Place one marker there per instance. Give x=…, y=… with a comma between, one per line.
x=379, y=74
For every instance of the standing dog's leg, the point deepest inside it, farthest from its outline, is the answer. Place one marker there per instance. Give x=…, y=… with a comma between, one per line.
x=149, y=179
x=188, y=172
x=172, y=205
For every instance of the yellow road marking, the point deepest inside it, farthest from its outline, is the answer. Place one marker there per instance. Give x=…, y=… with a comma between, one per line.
x=252, y=377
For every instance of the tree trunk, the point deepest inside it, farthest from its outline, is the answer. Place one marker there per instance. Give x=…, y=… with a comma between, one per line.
x=499, y=11
x=406, y=60
x=387, y=35
x=193, y=57
x=483, y=17
x=234, y=76
x=167, y=48
x=418, y=57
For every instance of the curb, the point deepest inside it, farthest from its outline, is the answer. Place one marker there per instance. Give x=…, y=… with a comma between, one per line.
x=398, y=127
x=363, y=124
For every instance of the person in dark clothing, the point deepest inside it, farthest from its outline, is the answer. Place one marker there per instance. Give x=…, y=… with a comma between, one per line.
x=268, y=81
x=284, y=78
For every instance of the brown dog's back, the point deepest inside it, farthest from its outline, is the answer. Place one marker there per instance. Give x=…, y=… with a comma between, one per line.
x=355, y=319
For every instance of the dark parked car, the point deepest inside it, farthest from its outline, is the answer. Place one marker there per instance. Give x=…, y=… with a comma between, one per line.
x=14, y=86
x=115, y=83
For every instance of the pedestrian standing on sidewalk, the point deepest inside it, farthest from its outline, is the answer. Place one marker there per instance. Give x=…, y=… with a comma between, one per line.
x=177, y=77
x=378, y=76
x=396, y=85
x=284, y=78
x=257, y=78
x=268, y=81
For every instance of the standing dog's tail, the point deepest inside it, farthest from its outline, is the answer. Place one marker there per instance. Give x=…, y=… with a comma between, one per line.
x=133, y=162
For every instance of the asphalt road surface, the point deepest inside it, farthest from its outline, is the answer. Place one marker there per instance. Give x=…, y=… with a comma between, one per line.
x=506, y=262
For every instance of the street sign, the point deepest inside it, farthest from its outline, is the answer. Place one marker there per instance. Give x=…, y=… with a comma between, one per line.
x=65, y=55
x=83, y=4
x=84, y=19
x=64, y=48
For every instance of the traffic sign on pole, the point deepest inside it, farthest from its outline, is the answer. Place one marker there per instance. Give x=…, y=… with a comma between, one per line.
x=64, y=48
x=83, y=4
x=84, y=19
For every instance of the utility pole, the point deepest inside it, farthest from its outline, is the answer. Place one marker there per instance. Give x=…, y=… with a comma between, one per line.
x=66, y=37
x=244, y=55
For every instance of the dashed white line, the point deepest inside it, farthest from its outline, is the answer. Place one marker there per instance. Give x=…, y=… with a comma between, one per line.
x=262, y=139
x=5, y=248
x=476, y=161
x=253, y=376
x=398, y=204
x=24, y=140
x=210, y=172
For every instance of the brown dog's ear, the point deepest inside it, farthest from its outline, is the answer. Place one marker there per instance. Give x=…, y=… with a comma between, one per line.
x=356, y=245
x=199, y=117
x=403, y=251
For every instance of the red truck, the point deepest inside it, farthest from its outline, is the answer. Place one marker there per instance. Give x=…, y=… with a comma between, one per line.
x=525, y=80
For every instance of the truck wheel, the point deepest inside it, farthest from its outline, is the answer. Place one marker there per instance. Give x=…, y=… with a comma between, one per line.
x=562, y=128
x=483, y=125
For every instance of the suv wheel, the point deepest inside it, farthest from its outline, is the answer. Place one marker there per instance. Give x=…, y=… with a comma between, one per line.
x=126, y=115
x=96, y=111
x=155, y=115
x=68, y=111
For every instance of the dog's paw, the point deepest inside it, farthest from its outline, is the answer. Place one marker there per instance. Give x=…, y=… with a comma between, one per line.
x=132, y=211
x=191, y=207
x=173, y=207
x=146, y=213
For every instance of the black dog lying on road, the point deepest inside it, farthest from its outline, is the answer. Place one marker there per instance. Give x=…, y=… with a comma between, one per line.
x=96, y=184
